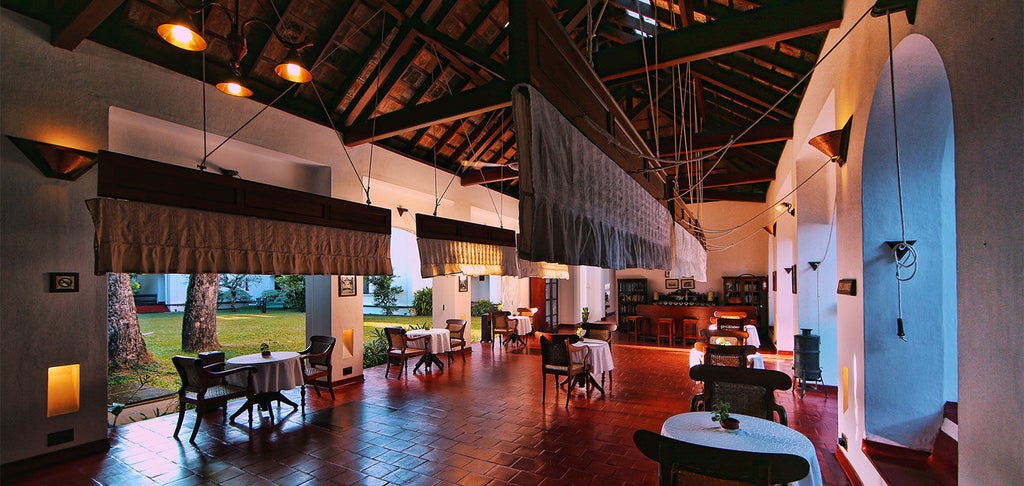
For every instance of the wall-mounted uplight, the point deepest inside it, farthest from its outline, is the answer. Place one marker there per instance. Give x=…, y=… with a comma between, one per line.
x=63, y=385
x=787, y=207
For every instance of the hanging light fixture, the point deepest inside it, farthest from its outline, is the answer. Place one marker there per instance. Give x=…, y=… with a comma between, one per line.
x=181, y=32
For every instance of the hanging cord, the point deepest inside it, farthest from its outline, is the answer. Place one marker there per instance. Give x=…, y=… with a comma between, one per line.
x=202, y=163
x=903, y=254
x=462, y=124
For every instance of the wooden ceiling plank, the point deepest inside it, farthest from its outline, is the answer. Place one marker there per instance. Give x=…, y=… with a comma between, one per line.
x=758, y=27
x=370, y=89
x=716, y=181
x=722, y=195
x=487, y=175
x=761, y=133
x=80, y=25
x=453, y=47
x=761, y=95
x=475, y=101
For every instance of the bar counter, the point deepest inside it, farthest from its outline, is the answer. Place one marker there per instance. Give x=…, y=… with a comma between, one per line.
x=702, y=313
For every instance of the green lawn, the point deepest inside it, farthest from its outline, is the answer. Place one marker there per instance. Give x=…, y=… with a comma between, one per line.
x=240, y=332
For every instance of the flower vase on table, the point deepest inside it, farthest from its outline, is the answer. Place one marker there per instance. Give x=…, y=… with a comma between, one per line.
x=265, y=350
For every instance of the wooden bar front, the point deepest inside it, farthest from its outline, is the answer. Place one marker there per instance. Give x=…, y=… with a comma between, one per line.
x=702, y=313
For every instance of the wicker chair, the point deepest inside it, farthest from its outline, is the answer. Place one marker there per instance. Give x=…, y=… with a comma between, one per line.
x=681, y=462
x=748, y=391
x=600, y=330
x=399, y=350
x=560, y=358
x=727, y=355
x=456, y=328
x=206, y=388
x=503, y=327
x=721, y=336
x=316, y=364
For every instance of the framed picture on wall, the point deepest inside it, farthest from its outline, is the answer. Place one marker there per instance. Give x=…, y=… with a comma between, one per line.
x=463, y=283
x=346, y=285
x=671, y=283
x=687, y=283
x=668, y=274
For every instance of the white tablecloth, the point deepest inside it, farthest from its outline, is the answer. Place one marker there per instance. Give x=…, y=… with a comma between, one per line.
x=281, y=371
x=754, y=435
x=523, y=324
x=752, y=339
x=697, y=357
x=600, y=355
x=440, y=341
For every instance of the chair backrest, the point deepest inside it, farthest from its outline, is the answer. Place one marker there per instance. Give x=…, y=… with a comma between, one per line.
x=319, y=345
x=499, y=319
x=455, y=328
x=396, y=337
x=728, y=355
x=600, y=330
x=677, y=457
x=191, y=372
x=727, y=314
x=748, y=391
x=730, y=323
x=722, y=336
x=526, y=311
x=554, y=348
x=212, y=357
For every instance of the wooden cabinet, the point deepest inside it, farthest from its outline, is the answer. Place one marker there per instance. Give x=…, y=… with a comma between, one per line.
x=632, y=292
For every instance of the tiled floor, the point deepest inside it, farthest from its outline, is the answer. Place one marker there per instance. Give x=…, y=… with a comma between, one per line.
x=479, y=422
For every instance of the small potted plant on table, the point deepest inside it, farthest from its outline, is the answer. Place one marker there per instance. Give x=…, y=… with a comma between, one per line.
x=265, y=350
x=720, y=414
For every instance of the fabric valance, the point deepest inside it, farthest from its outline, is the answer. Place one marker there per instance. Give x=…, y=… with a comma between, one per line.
x=576, y=205
x=447, y=257
x=529, y=269
x=689, y=258
x=150, y=238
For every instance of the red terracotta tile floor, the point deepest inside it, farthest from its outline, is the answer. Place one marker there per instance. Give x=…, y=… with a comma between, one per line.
x=478, y=422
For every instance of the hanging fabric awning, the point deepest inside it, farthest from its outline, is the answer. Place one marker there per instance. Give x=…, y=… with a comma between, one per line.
x=448, y=246
x=153, y=217
x=135, y=237
x=529, y=269
x=576, y=205
x=689, y=258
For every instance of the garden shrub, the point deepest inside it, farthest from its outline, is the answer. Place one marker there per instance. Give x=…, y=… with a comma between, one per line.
x=423, y=301
x=481, y=307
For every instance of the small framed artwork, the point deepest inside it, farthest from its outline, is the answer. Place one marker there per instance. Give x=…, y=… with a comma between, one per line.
x=346, y=285
x=63, y=282
x=463, y=283
x=671, y=283
x=847, y=286
x=687, y=283
x=668, y=274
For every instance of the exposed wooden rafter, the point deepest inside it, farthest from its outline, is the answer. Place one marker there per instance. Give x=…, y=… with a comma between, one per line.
x=488, y=175
x=79, y=25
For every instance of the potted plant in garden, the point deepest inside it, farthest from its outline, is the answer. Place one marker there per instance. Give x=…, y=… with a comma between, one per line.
x=720, y=414
x=265, y=350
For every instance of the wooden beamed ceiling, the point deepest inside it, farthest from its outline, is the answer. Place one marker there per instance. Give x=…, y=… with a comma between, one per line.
x=428, y=78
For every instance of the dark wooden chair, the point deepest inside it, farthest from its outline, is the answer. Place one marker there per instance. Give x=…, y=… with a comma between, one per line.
x=316, y=364
x=456, y=328
x=748, y=391
x=727, y=355
x=399, y=350
x=206, y=388
x=734, y=338
x=730, y=323
x=560, y=358
x=503, y=327
x=680, y=462
x=600, y=330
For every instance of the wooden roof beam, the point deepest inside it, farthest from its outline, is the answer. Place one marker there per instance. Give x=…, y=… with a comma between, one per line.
x=75, y=29
x=488, y=175
x=475, y=101
x=761, y=133
x=716, y=181
x=758, y=27
x=720, y=195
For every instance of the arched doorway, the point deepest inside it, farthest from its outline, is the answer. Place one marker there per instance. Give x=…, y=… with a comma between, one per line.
x=908, y=381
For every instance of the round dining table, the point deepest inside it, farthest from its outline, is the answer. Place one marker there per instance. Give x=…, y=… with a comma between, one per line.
x=601, y=361
x=438, y=342
x=754, y=435
x=279, y=371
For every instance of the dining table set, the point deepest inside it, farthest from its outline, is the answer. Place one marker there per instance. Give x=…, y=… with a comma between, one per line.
x=275, y=372
x=438, y=341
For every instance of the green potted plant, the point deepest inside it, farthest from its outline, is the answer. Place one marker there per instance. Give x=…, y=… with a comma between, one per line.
x=265, y=350
x=585, y=314
x=720, y=414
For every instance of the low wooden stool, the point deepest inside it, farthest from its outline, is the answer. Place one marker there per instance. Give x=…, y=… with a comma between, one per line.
x=664, y=329
x=634, y=327
x=690, y=331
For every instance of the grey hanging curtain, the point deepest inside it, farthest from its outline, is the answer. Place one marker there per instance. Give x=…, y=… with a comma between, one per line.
x=576, y=205
x=150, y=238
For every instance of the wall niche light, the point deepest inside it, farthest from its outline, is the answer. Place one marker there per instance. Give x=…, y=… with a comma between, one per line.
x=63, y=385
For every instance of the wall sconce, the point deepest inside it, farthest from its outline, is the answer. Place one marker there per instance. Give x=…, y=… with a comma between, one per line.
x=834, y=144
x=787, y=207
x=402, y=211
x=62, y=389
x=55, y=161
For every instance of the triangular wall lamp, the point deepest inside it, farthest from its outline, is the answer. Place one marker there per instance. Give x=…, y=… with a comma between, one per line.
x=55, y=161
x=834, y=144
x=902, y=251
x=814, y=265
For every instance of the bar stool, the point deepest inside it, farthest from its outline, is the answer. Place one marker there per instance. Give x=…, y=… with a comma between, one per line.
x=664, y=329
x=634, y=326
x=690, y=330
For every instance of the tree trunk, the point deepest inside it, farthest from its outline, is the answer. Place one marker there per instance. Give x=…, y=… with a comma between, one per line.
x=125, y=346
x=199, y=324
